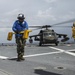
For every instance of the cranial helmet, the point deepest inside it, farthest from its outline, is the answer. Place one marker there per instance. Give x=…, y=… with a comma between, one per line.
x=20, y=16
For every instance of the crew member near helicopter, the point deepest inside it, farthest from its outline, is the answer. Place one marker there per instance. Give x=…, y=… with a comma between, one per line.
x=20, y=25
x=73, y=31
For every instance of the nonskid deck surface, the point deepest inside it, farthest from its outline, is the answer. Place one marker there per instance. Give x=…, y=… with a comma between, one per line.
x=44, y=60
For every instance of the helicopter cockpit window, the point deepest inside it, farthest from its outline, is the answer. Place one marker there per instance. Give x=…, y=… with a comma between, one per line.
x=46, y=34
x=53, y=33
x=49, y=34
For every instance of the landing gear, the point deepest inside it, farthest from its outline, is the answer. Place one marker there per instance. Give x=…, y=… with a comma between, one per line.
x=56, y=43
x=31, y=40
x=40, y=44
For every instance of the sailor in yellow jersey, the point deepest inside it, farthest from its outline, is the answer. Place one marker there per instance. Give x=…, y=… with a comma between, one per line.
x=73, y=31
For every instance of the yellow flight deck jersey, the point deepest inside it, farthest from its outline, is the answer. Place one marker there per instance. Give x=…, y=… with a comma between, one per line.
x=73, y=32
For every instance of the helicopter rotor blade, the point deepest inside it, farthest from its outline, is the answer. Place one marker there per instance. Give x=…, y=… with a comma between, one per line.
x=54, y=25
x=63, y=26
x=36, y=29
x=69, y=21
x=35, y=26
x=46, y=26
x=40, y=27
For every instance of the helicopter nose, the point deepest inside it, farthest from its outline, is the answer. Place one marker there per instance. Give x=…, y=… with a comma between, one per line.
x=50, y=35
x=50, y=38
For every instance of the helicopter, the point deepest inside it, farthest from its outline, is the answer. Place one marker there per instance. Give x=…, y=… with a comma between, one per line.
x=49, y=36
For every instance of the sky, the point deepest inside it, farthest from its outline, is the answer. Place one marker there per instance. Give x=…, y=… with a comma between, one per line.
x=37, y=12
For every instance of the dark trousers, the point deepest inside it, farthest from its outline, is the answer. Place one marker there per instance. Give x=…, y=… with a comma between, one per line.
x=20, y=46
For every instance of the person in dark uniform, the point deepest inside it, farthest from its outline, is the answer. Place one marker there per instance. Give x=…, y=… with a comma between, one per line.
x=20, y=25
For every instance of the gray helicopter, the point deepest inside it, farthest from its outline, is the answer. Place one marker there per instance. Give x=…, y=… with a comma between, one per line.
x=47, y=36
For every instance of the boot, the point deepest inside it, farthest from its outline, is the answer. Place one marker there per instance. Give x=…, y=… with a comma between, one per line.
x=22, y=58
x=19, y=57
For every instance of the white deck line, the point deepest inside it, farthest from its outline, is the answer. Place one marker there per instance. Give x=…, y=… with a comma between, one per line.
x=33, y=55
x=42, y=54
x=61, y=50
x=3, y=57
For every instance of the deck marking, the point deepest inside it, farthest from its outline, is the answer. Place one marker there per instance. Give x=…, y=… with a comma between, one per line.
x=3, y=57
x=61, y=50
x=33, y=55
x=72, y=50
x=42, y=54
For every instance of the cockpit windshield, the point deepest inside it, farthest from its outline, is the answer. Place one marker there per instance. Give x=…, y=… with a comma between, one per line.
x=53, y=33
x=49, y=34
x=46, y=34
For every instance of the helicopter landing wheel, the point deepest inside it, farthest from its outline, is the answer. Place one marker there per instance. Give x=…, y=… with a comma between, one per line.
x=56, y=44
x=40, y=44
